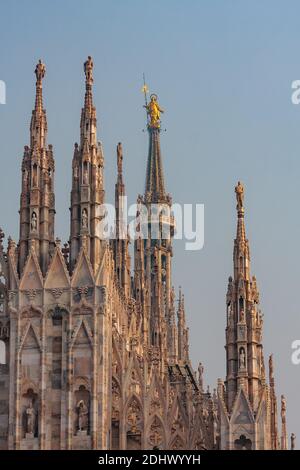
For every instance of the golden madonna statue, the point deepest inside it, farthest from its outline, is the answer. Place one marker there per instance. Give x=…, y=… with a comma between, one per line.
x=154, y=110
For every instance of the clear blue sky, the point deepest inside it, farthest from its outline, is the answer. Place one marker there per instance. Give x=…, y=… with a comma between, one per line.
x=223, y=72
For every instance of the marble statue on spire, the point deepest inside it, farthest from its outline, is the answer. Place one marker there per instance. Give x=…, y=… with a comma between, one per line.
x=239, y=191
x=88, y=69
x=119, y=157
x=40, y=71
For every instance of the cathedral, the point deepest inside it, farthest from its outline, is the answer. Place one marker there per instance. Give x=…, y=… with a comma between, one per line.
x=96, y=346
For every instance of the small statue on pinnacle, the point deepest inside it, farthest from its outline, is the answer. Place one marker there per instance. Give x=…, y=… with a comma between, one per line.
x=119, y=157
x=239, y=191
x=40, y=71
x=88, y=69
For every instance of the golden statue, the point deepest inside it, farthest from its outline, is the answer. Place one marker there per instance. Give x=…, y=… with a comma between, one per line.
x=154, y=110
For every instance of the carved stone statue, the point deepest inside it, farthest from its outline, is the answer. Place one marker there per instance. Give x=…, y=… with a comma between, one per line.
x=155, y=436
x=33, y=221
x=283, y=408
x=242, y=316
x=230, y=316
x=34, y=177
x=84, y=219
x=46, y=179
x=135, y=384
x=30, y=419
x=75, y=172
x=154, y=110
x=271, y=367
x=119, y=157
x=85, y=176
x=200, y=375
x=293, y=441
x=25, y=177
x=239, y=191
x=133, y=416
x=172, y=296
x=40, y=71
x=88, y=69
x=82, y=411
x=99, y=177
x=242, y=358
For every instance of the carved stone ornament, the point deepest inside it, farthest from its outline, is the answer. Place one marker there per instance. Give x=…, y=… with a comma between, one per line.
x=83, y=291
x=134, y=415
x=31, y=294
x=57, y=292
x=156, y=433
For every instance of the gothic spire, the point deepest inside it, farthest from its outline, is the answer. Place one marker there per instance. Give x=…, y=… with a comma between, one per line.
x=40, y=71
x=38, y=126
x=37, y=209
x=241, y=232
x=157, y=247
x=87, y=194
x=88, y=70
x=246, y=387
x=88, y=123
x=155, y=186
x=182, y=330
x=121, y=240
x=241, y=254
x=120, y=164
x=273, y=405
x=284, y=437
x=245, y=361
